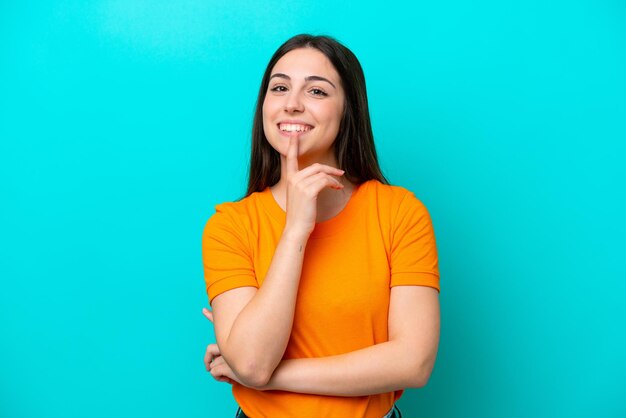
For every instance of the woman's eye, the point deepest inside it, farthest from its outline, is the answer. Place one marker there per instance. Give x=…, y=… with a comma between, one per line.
x=279, y=89
x=318, y=92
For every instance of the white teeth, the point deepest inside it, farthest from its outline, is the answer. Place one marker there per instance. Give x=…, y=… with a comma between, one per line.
x=290, y=127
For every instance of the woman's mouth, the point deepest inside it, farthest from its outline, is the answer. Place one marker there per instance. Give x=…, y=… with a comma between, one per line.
x=294, y=127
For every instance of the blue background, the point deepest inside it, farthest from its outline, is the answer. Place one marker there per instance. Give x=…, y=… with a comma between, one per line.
x=122, y=124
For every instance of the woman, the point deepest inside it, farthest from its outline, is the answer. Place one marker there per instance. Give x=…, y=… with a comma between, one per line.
x=323, y=280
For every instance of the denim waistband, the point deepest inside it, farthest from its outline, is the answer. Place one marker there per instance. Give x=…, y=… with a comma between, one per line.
x=393, y=413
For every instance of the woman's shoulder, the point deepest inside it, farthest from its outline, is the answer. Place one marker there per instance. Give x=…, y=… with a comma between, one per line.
x=390, y=195
x=234, y=213
x=239, y=207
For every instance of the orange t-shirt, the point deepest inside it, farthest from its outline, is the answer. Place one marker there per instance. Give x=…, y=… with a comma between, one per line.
x=382, y=238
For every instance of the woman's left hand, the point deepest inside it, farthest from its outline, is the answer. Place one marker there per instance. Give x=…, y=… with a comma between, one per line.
x=217, y=366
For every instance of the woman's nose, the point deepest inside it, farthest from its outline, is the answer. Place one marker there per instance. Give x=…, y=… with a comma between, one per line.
x=294, y=103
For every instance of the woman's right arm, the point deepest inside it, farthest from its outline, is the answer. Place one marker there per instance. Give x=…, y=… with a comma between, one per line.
x=253, y=326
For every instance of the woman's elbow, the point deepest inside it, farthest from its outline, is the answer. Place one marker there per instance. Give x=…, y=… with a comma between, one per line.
x=252, y=375
x=419, y=379
x=255, y=380
x=420, y=374
x=251, y=368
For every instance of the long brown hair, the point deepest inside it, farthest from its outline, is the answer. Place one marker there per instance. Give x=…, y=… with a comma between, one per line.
x=354, y=145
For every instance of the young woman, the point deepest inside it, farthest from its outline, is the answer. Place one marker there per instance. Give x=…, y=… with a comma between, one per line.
x=323, y=280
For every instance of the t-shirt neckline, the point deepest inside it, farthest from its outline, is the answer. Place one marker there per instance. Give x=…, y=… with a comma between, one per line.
x=322, y=229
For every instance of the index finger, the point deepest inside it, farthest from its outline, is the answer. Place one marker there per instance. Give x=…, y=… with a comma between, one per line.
x=292, y=155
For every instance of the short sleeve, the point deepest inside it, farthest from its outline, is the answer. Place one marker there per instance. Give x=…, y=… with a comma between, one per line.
x=226, y=254
x=413, y=248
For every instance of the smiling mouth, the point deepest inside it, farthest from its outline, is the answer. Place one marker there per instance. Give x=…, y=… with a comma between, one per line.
x=294, y=127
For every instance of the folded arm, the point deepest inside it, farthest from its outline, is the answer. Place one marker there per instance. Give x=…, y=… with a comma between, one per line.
x=405, y=361
x=252, y=327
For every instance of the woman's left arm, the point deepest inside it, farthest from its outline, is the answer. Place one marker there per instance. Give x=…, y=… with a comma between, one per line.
x=405, y=361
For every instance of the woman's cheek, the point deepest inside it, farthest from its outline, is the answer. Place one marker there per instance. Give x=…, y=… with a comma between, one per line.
x=276, y=142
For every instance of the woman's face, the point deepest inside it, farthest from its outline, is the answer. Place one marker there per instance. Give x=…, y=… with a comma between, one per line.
x=304, y=97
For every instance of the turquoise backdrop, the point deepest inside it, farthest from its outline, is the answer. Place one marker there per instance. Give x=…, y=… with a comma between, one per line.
x=123, y=122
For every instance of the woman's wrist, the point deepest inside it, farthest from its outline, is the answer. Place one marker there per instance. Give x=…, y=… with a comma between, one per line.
x=296, y=236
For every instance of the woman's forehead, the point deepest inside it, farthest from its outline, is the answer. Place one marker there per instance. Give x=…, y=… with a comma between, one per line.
x=305, y=62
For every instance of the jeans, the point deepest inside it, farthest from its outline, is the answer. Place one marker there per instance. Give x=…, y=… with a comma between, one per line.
x=394, y=413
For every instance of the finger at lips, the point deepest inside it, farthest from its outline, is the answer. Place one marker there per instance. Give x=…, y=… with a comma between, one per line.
x=292, y=155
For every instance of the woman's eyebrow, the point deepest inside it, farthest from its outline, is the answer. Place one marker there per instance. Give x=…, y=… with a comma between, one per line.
x=309, y=78
x=318, y=78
